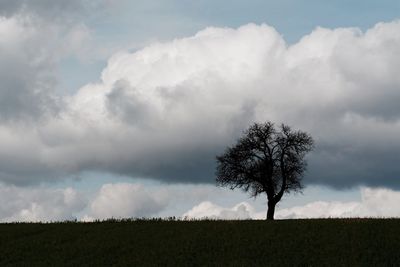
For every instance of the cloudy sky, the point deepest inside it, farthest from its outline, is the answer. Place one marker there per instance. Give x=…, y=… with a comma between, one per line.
x=117, y=108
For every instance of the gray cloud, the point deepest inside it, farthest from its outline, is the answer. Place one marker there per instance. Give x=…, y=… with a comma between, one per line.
x=27, y=87
x=126, y=103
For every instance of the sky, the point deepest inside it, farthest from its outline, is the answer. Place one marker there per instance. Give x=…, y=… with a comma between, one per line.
x=117, y=108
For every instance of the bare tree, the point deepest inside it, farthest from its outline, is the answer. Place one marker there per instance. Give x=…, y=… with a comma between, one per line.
x=266, y=160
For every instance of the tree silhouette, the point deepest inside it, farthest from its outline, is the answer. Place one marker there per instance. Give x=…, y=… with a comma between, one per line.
x=266, y=160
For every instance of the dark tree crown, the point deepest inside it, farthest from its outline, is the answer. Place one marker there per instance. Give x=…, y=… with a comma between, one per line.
x=265, y=159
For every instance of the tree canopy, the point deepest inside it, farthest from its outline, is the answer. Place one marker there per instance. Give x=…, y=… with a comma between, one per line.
x=266, y=159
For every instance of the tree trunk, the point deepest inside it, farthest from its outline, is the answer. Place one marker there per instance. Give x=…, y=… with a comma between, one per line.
x=271, y=210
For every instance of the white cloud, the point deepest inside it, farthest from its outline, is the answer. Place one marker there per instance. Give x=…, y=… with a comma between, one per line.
x=124, y=200
x=375, y=202
x=117, y=200
x=39, y=204
x=127, y=200
x=321, y=209
x=165, y=111
x=209, y=210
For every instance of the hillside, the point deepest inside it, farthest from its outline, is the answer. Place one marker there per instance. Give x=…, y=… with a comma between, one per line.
x=325, y=242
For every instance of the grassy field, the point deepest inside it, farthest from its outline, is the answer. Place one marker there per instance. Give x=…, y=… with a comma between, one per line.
x=327, y=242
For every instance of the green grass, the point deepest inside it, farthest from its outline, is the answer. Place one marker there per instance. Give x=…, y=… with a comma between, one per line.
x=327, y=242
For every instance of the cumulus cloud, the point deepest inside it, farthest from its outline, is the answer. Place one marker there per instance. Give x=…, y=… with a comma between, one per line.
x=124, y=201
x=209, y=210
x=165, y=111
x=133, y=200
x=375, y=202
x=112, y=200
x=31, y=47
x=28, y=96
x=39, y=204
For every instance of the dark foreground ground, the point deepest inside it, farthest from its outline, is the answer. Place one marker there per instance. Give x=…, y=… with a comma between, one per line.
x=328, y=242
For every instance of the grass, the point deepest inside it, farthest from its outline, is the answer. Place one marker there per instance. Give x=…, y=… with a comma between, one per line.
x=319, y=242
